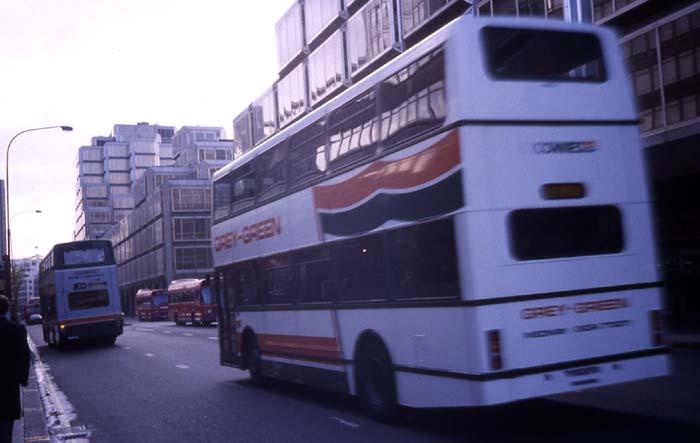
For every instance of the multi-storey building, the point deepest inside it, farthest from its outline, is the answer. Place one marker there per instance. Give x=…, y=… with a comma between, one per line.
x=109, y=167
x=28, y=286
x=167, y=235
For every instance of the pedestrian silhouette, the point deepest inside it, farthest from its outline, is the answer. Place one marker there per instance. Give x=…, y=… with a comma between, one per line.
x=14, y=370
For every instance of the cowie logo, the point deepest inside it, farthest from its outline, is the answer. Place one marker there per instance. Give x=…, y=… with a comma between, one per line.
x=585, y=147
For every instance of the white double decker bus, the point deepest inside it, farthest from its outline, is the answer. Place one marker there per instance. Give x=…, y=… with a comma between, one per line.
x=468, y=225
x=79, y=293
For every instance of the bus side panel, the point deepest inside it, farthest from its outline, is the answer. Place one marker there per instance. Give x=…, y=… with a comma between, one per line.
x=437, y=338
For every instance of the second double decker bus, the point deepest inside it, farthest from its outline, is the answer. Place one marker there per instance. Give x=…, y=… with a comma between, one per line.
x=152, y=304
x=79, y=293
x=468, y=225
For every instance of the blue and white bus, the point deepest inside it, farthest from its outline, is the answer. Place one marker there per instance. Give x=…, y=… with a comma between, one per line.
x=79, y=293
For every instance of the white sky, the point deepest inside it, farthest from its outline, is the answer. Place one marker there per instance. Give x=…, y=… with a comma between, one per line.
x=93, y=63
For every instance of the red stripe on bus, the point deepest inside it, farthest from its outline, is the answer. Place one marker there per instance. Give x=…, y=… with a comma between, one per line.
x=324, y=347
x=407, y=172
x=89, y=319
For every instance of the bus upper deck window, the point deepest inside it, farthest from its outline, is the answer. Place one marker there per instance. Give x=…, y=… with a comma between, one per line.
x=543, y=55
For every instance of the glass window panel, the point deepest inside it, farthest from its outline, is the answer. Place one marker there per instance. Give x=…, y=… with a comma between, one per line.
x=314, y=274
x=531, y=8
x=411, y=101
x=276, y=282
x=360, y=267
x=307, y=156
x=532, y=54
x=424, y=261
x=271, y=167
x=348, y=123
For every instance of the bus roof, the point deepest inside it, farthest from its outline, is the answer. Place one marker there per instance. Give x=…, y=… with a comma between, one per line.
x=404, y=59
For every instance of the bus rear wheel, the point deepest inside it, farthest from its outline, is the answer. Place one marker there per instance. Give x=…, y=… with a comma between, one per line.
x=375, y=381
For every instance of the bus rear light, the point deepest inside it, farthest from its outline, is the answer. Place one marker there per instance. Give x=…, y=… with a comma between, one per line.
x=493, y=342
x=656, y=328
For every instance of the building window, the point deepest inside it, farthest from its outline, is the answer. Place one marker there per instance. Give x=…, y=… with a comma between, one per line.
x=188, y=229
x=191, y=199
x=188, y=259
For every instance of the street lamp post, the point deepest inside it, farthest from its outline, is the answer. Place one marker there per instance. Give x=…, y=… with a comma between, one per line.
x=8, y=257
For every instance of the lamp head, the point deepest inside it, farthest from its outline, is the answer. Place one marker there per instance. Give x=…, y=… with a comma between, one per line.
x=66, y=128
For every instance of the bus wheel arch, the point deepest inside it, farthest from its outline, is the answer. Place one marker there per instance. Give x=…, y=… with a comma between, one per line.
x=375, y=381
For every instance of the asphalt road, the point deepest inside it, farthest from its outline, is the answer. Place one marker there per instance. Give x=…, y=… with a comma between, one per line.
x=163, y=383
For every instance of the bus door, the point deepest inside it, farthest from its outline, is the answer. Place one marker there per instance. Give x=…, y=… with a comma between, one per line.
x=228, y=334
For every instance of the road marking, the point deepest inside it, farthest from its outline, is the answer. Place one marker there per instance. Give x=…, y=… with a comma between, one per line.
x=128, y=348
x=182, y=366
x=144, y=329
x=345, y=422
x=187, y=334
x=149, y=354
x=213, y=338
x=167, y=332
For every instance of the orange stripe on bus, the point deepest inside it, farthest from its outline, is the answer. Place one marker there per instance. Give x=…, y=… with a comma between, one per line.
x=324, y=347
x=89, y=319
x=404, y=173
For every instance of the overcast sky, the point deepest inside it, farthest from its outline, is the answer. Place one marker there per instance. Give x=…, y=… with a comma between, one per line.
x=93, y=63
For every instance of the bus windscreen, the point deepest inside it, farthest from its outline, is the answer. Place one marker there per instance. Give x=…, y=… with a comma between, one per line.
x=543, y=55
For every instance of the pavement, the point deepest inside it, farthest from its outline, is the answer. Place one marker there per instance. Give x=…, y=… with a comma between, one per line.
x=35, y=426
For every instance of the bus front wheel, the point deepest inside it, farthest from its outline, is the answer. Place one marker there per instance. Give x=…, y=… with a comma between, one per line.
x=376, y=385
x=254, y=361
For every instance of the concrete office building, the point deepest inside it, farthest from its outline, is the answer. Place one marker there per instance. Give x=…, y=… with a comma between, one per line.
x=29, y=283
x=109, y=167
x=168, y=235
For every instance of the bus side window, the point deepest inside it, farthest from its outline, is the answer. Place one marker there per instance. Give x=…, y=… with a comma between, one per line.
x=307, y=156
x=412, y=101
x=314, y=274
x=360, y=269
x=271, y=168
x=423, y=261
x=246, y=291
x=354, y=130
x=276, y=282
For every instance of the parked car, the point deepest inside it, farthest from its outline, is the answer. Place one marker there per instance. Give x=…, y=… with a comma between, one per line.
x=34, y=318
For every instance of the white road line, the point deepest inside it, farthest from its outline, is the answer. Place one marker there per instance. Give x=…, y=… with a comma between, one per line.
x=187, y=334
x=144, y=329
x=149, y=354
x=182, y=366
x=345, y=422
x=128, y=348
x=213, y=338
x=167, y=332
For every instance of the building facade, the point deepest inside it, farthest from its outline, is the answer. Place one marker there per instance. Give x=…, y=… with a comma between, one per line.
x=107, y=170
x=28, y=286
x=167, y=236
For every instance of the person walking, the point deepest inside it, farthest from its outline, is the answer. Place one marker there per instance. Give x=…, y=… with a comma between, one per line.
x=14, y=370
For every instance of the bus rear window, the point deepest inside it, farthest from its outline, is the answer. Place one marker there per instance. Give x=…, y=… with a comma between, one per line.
x=565, y=232
x=543, y=55
x=88, y=299
x=84, y=257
